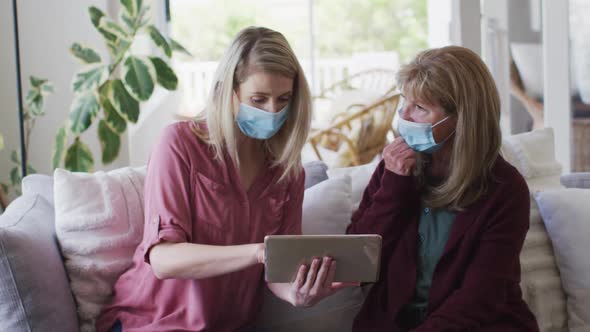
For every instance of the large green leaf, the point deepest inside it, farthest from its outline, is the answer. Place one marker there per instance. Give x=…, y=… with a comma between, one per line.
x=15, y=176
x=84, y=109
x=110, y=142
x=130, y=7
x=113, y=28
x=139, y=78
x=95, y=15
x=177, y=47
x=85, y=54
x=166, y=76
x=5, y=187
x=90, y=79
x=112, y=116
x=124, y=102
x=59, y=147
x=79, y=157
x=159, y=40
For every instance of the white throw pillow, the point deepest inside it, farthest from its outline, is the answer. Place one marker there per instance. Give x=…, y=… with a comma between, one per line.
x=99, y=223
x=327, y=207
x=360, y=175
x=532, y=153
x=566, y=214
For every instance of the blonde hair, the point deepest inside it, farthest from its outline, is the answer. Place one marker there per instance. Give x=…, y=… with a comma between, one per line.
x=257, y=49
x=458, y=80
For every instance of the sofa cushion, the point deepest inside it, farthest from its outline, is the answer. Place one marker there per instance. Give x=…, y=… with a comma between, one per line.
x=34, y=289
x=98, y=229
x=576, y=180
x=315, y=172
x=38, y=184
x=533, y=154
x=360, y=175
x=566, y=213
x=327, y=207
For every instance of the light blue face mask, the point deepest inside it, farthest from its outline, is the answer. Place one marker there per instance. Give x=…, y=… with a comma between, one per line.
x=260, y=124
x=419, y=135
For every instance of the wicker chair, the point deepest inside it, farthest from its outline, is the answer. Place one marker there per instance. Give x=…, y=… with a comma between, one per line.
x=377, y=79
x=363, y=132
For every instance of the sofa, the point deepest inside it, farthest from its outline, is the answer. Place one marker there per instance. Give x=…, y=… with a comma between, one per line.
x=65, y=241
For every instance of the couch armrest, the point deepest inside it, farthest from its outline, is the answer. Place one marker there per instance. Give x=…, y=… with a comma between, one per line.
x=576, y=180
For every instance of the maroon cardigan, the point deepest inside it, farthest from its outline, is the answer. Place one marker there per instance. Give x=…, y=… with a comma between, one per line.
x=475, y=286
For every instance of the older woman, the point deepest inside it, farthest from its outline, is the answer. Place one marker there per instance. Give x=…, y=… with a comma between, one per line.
x=452, y=212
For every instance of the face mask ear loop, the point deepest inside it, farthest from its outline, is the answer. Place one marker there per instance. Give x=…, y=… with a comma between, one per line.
x=441, y=121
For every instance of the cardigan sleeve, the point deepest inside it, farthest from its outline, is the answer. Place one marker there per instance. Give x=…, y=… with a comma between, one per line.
x=385, y=201
x=495, y=264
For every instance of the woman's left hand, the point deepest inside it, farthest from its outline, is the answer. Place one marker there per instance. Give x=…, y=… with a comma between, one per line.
x=315, y=283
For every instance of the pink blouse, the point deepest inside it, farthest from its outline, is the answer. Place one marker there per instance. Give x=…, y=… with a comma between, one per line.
x=192, y=197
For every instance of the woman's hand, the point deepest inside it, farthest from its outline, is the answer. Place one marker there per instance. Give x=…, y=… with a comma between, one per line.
x=315, y=283
x=399, y=157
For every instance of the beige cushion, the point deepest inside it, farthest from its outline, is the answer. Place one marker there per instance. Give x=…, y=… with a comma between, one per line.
x=533, y=155
x=541, y=284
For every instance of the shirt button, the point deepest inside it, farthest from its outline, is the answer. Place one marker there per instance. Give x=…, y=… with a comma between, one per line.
x=155, y=220
x=426, y=210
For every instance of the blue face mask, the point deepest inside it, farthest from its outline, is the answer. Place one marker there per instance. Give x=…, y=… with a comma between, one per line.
x=419, y=135
x=259, y=124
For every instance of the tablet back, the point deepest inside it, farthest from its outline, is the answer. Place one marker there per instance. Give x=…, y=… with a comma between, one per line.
x=357, y=256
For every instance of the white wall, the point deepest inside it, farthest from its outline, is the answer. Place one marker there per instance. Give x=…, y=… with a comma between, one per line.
x=47, y=30
x=8, y=100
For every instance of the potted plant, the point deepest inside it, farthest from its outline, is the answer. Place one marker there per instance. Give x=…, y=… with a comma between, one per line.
x=110, y=90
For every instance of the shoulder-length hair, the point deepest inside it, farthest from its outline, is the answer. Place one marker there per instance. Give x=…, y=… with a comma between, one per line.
x=458, y=80
x=257, y=49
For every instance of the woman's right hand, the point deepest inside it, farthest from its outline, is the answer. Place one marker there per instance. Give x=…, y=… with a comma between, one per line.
x=399, y=157
x=316, y=282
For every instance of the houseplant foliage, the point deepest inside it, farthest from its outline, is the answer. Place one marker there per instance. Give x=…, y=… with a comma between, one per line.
x=110, y=91
x=35, y=103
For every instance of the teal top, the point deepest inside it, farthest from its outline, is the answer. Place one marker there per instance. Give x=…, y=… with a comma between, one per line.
x=433, y=232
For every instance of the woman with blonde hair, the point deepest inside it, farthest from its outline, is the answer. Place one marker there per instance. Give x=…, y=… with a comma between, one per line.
x=215, y=187
x=452, y=212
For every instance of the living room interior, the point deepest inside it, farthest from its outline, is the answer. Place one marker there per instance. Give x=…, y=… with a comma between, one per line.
x=73, y=149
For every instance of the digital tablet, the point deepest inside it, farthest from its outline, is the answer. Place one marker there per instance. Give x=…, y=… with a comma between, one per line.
x=357, y=256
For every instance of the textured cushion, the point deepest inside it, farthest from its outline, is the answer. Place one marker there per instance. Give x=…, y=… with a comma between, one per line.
x=34, y=290
x=566, y=213
x=540, y=280
x=98, y=229
x=576, y=180
x=327, y=207
x=315, y=172
x=360, y=175
x=532, y=153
